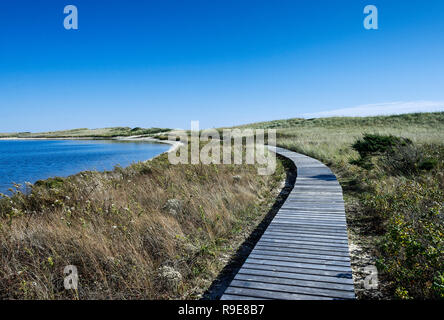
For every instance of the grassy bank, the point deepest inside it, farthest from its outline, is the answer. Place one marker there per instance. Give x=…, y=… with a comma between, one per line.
x=149, y=231
x=87, y=133
x=394, y=196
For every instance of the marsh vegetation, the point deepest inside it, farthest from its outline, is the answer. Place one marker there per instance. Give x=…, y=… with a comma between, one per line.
x=149, y=231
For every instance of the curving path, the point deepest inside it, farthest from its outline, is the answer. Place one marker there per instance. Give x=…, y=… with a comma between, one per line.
x=303, y=254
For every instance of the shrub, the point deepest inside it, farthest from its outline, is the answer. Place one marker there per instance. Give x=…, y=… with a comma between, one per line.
x=428, y=164
x=51, y=183
x=412, y=246
x=372, y=144
x=403, y=159
x=395, y=155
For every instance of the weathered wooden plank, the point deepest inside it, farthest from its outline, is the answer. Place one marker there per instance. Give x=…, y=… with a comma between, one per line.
x=305, y=200
x=239, y=297
x=289, y=232
x=309, y=222
x=268, y=235
x=326, y=252
x=320, y=279
x=324, y=261
x=278, y=252
x=289, y=209
x=292, y=232
x=341, y=229
x=292, y=289
x=295, y=229
x=306, y=241
x=303, y=265
x=308, y=216
x=295, y=226
x=268, y=294
x=303, y=245
x=312, y=208
x=313, y=216
x=332, y=276
x=328, y=288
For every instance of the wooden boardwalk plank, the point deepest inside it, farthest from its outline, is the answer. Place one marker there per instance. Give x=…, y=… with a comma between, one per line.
x=312, y=251
x=292, y=289
x=258, y=254
x=303, y=253
x=308, y=246
x=301, y=272
x=290, y=286
x=281, y=262
x=239, y=297
x=307, y=257
x=321, y=281
x=268, y=294
x=302, y=230
x=292, y=232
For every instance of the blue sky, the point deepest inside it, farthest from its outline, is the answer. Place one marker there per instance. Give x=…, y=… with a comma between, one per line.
x=222, y=62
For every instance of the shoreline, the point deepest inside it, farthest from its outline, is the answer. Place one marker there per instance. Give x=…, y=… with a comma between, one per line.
x=174, y=145
x=58, y=138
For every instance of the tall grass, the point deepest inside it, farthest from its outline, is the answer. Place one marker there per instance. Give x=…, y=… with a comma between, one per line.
x=122, y=233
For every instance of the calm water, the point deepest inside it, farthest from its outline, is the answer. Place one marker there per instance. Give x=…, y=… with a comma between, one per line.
x=33, y=160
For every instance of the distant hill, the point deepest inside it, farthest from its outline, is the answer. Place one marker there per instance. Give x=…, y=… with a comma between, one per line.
x=85, y=132
x=431, y=119
x=330, y=139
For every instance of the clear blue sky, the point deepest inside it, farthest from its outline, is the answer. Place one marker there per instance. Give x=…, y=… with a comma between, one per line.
x=222, y=62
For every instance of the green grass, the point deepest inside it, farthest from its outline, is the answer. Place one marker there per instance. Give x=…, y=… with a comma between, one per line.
x=86, y=133
x=398, y=121
x=330, y=139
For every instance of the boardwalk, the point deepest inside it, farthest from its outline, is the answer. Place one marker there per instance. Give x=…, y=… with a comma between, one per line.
x=303, y=253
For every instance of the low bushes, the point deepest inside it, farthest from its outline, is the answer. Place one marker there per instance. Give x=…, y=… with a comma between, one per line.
x=372, y=144
x=412, y=247
x=406, y=201
x=395, y=155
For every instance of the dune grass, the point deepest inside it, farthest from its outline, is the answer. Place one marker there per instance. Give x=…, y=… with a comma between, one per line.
x=330, y=139
x=149, y=231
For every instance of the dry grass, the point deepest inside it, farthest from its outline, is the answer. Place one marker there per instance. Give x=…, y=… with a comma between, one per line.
x=116, y=229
